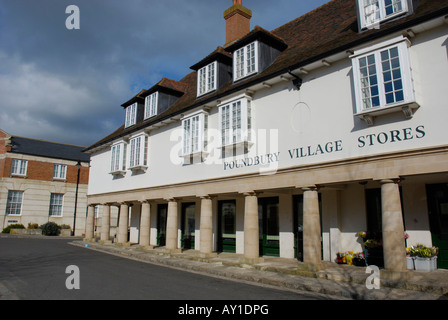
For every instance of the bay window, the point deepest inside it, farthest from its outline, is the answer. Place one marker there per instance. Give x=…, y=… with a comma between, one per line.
x=383, y=81
x=137, y=154
x=235, y=122
x=118, y=155
x=194, y=134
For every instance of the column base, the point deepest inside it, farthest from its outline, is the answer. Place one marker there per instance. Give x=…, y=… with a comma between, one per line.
x=207, y=255
x=126, y=244
x=246, y=260
x=105, y=242
x=148, y=247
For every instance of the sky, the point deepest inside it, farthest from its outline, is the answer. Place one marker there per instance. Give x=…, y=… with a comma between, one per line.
x=68, y=85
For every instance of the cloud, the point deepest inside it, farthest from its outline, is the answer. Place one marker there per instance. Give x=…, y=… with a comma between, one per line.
x=68, y=85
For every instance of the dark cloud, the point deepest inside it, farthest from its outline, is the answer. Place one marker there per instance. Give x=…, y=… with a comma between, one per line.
x=68, y=85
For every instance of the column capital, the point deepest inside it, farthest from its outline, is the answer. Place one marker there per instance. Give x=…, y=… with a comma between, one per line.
x=310, y=188
x=391, y=180
x=251, y=193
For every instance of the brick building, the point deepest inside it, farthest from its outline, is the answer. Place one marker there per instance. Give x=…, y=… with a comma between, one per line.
x=41, y=181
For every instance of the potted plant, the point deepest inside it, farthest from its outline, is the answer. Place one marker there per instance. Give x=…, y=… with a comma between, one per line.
x=340, y=257
x=425, y=257
x=359, y=259
x=410, y=258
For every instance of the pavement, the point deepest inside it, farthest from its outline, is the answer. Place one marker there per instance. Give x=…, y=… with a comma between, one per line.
x=338, y=281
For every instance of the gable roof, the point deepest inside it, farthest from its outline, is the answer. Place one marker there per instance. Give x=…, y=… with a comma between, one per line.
x=48, y=149
x=329, y=29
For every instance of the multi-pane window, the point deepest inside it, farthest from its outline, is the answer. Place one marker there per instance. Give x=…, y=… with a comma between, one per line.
x=246, y=61
x=14, y=202
x=375, y=11
x=134, y=157
x=59, y=171
x=19, y=167
x=207, y=78
x=235, y=123
x=383, y=78
x=194, y=129
x=151, y=105
x=56, y=201
x=117, y=160
x=131, y=115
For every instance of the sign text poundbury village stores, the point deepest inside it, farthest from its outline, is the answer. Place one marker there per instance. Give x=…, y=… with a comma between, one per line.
x=365, y=141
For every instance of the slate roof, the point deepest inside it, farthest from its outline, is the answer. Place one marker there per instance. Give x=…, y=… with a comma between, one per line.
x=48, y=149
x=329, y=29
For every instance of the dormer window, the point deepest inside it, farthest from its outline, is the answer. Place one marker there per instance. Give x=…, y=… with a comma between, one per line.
x=373, y=12
x=131, y=115
x=151, y=103
x=245, y=61
x=207, y=78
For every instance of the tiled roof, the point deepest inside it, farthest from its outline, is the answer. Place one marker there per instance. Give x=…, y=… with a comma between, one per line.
x=329, y=29
x=48, y=149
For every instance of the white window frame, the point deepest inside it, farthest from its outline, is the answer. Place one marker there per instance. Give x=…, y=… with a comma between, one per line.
x=137, y=152
x=235, y=121
x=131, y=115
x=59, y=171
x=117, y=159
x=14, y=203
x=56, y=205
x=378, y=8
x=408, y=101
x=19, y=167
x=245, y=61
x=151, y=105
x=207, y=78
x=194, y=133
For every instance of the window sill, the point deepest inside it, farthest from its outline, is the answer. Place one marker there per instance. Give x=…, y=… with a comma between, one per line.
x=237, y=145
x=369, y=115
x=138, y=169
x=118, y=173
x=195, y=156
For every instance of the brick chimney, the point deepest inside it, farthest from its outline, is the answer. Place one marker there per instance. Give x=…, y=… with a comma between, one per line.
x=237, y=21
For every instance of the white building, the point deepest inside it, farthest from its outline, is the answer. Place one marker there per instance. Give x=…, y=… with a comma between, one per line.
x=289, y=142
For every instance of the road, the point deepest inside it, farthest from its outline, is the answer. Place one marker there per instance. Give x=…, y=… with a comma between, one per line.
x=35, y=268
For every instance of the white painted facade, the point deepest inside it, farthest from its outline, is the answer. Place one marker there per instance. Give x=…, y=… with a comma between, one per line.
x=304, y=131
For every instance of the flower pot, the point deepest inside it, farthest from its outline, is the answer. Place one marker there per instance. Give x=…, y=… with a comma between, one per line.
x=425, y=264
x=410, y=263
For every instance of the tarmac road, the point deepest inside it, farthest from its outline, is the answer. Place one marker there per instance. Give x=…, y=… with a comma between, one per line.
x=35, y=268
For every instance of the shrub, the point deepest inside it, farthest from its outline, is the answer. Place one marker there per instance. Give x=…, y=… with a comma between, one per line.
x=33, y=226
x=50, y=229
x=13, y=226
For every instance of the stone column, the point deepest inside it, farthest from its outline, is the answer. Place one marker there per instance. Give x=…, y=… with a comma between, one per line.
x=393, y=228
x=145, y=224
x=105, y=223
x=123, y=224
x=311, y=226
x=90, y=221
x=171, y=225
x=206, y=226
x=251, y=228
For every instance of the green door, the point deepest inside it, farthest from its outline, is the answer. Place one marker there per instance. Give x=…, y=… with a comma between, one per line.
x=268, y=226
x=438, y=218
x=162, y=210
x=188, y=225
x=227, y=226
